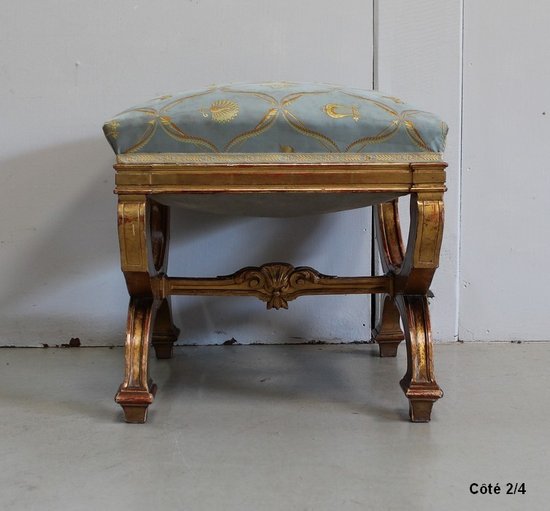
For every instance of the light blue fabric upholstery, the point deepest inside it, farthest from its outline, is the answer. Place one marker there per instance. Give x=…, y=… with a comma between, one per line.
x=274, y=118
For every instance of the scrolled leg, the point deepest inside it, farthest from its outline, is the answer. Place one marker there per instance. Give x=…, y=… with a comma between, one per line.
x=412, y=270
x=137, y=391
x=387, y=333
x=388, y=236
x=419, y=382
x=412, y=284
x=141, y=256
x=165, y=333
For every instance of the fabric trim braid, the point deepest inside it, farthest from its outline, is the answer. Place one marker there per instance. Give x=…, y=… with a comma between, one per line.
x=259, y=158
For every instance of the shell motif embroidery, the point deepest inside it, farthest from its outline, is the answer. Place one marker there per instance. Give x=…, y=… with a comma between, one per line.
x=222, y=111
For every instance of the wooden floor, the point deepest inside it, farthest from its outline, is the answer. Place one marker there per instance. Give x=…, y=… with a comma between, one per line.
x=264, y=428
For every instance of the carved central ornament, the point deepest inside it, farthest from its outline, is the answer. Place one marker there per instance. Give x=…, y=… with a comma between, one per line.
x=276, y=283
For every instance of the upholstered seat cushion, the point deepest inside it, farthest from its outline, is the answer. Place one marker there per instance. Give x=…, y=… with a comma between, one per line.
x=278, y=118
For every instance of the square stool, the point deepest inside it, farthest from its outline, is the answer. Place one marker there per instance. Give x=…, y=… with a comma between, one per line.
x=279, y=149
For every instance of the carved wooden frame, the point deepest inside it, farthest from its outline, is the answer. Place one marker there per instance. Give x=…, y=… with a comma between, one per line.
x=412, y=271
x=143, y=227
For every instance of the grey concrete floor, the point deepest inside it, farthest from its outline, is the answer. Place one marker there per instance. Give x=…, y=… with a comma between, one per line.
x=274, y=428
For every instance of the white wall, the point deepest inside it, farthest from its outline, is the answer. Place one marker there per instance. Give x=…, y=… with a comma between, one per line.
x=483, y=66
x=67, y=66
x=419, y=59
x=505, y=224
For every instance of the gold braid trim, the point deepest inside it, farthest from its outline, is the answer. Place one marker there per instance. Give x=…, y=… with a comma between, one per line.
x=270, y=158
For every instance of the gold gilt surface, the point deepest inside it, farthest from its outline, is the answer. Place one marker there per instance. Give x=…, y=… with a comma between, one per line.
x=408, y=268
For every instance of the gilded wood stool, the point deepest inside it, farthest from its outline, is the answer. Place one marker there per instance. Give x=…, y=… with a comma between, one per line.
x=277, y=149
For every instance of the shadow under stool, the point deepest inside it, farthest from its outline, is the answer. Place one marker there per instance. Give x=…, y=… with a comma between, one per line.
x=279, y=149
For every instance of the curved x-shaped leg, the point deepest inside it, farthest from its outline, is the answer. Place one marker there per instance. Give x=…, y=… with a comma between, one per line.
x=413, y=272
x=143, y=236
x=137, y=389
x=419, y=382
x=387, y=332
x=165, y=333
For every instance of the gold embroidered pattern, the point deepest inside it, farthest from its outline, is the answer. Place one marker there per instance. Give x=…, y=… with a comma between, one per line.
x=286, y=148
x=171, y=129
x=394, y=99
x=111, y=129
x=405, y=118
x=176, y=133
x=271, y=116
x=267, y=121
x=383, y=135
x=147, y=135
x=298, y=125
x=281, y=85
x=341, y=111
x=223, y=110
x=415, y=135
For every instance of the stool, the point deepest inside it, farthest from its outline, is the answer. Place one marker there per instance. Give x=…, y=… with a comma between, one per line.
x=279, y=149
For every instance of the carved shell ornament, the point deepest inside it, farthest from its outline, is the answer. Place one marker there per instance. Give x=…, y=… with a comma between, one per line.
x=276, y=282
x=222, y=111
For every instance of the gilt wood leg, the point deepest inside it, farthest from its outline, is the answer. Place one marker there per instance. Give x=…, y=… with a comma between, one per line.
x=413, y=282
x=413, y=271
x=419, y=382
x=165, y=333
x=142, y=231
x=137, y=391
x=387, y=333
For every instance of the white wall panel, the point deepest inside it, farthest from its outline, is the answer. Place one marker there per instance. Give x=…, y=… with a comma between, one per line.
x=505, y=225
x=67, y=66
x=419, y=60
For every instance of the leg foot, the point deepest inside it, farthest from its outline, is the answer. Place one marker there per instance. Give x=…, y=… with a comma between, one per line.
x=163, y=351
x=420, y=411
x=135, y=402
x=135, y=414
x=388, y=333
x=165, y=333
x=388, y=348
